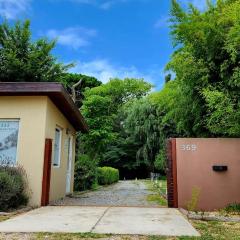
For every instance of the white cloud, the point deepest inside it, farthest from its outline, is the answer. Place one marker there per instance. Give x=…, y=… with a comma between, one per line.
x=74, y=37
x=11, y=9
x=103, y=70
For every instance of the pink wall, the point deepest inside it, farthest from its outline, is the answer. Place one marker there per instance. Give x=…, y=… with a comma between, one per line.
x=195, y=158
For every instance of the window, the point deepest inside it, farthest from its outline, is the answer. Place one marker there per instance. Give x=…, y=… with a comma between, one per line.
x=8, y=141
x=57, y=147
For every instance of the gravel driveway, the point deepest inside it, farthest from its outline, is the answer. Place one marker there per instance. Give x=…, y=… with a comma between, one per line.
x=123, y=193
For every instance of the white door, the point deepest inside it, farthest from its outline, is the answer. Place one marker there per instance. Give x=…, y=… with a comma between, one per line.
x=69, y=165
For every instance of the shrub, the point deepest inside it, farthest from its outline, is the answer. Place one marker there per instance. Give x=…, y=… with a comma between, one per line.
x=233, y=208
x=107, y=175
x=193, y=202
x=85, y=176
x=13, y=188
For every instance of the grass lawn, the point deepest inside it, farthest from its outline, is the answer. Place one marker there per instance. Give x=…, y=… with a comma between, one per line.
x=157, y=198
x=217, y=230
x=208, y=230
x=3, y=218
x=158, y=190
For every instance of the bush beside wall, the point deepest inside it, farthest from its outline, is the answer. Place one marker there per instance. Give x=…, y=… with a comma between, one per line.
x=107, y=175
x=13, y=188
x=85, y=176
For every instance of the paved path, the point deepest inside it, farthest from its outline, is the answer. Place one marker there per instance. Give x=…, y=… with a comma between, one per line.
x=112, y=220
x=123, y=193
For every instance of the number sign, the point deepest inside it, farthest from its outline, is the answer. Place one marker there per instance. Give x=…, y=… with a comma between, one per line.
x=188, y=147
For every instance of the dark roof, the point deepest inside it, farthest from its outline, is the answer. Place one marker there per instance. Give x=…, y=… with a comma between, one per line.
x=55, y=91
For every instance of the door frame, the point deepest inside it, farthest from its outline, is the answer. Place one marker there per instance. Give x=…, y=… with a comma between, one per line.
x=47, y=166
x=69, y=165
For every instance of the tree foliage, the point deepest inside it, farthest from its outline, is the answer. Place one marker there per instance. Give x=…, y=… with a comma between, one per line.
x=206, y=64
x=102, y=109
x=87, y=82
x=68, y=79
x=24, y=60
x=142, y=125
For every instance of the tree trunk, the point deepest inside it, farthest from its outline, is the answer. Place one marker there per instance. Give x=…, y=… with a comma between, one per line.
x=79, y=83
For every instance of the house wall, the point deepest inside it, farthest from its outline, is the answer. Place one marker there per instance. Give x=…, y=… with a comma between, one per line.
x=55, y=118
x=31, y=111
x=195, y=158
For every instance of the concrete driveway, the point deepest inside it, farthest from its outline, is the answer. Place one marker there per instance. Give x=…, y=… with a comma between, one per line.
x=115, y=220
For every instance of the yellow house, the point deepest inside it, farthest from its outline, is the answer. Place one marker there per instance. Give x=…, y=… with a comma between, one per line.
x=38, y=126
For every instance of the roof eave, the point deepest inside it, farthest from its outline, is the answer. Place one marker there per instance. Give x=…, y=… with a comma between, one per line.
x=55, y=91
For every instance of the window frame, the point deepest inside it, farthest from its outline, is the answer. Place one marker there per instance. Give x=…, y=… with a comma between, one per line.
x=60, y=147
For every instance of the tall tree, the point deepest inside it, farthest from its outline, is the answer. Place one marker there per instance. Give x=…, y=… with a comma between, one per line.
x=24, y=60
x=101, y=108
x=206, y=64
x=142, y=125
x=166, y=102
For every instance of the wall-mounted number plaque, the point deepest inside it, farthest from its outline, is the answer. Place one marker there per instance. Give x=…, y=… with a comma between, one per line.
x=188, y=147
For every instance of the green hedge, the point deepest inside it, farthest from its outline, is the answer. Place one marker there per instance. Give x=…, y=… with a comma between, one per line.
x=85, y=176
x=13, y=188
x=107, y=175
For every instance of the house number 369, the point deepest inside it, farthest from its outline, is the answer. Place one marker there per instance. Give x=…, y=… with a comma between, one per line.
x=188, y=147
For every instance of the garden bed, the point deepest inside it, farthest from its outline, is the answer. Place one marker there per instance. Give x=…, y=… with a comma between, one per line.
x=211, y=216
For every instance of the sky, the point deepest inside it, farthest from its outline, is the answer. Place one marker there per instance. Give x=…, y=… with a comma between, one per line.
x=103, y=38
